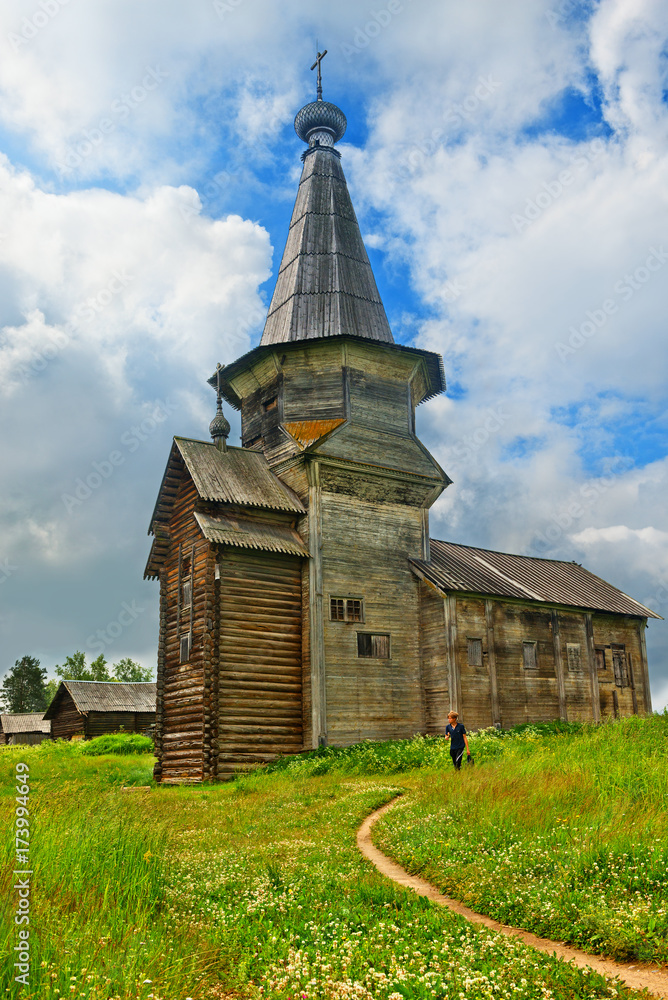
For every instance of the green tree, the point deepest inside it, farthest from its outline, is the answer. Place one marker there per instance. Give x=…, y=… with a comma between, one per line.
x=50, y=689
x=129, y=670
x=75, y=668
x=24, y=686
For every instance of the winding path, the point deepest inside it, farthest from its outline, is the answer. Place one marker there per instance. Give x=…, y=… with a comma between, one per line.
x=636, y=975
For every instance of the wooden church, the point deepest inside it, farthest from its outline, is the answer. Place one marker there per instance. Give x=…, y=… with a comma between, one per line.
x=302, y=602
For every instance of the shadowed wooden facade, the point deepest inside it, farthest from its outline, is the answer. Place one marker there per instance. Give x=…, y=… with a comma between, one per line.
x=302, y=602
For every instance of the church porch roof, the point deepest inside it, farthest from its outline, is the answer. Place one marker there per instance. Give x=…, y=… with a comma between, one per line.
x=231, y=529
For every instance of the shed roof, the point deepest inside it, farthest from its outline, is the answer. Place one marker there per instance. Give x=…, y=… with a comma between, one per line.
x=26, y=722
x=229, y=529
x=325, y=285
x=107, y=696
x=552, y=581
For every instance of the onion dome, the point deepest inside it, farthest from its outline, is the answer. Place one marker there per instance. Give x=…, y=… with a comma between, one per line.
x=320, y=123
x=219, y=426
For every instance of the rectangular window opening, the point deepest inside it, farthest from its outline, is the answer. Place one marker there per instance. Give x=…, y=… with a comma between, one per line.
x=373, y=645
x=619, y=666
x=475, y=652
x=600, y=659
x=574, y=655
x=346, y=609
x=529, y=655
x=185, y=648
x=186, y=593
x=270, y=404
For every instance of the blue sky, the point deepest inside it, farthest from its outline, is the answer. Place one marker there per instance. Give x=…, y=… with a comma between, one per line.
x=507, y=165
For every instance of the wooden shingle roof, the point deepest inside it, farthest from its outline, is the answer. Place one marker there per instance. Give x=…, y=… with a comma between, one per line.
x=107, y=696
x=325, y=285
x=552, y=581
x=231, y=529
x=25, y=722
x=237, y=476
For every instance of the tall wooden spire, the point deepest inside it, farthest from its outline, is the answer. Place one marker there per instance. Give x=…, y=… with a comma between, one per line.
x=325, y=285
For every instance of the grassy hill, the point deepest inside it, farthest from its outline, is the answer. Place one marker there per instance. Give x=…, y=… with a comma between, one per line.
x=256, y=888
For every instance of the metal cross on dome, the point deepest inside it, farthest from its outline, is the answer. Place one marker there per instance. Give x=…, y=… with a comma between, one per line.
x=320, y=57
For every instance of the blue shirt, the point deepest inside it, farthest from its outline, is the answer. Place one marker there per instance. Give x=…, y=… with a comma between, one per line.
x=456, y=735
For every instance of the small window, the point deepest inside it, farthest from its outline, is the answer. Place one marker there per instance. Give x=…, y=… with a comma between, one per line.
x=600, y=659
x=574, y=657
x=619, y=666
x=374, y=646
x=270, y=404
x=475, y=652
x=529, y=655
x=186, y=593
x=185, y=647
x=346, y=609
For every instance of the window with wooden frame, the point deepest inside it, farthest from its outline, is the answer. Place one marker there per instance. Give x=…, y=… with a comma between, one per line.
x=373, y=645
x=474, y=652
x=574, y=657
x=600, y=659
x=186, y=592
x=346, y=609
x=529, y=655
x=270, y=404
x=184, y=648
x=619, y=666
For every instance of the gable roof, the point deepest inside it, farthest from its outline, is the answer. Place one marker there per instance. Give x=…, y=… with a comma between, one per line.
x=106, y=696
x=325, y=285
x=25, y=722
x=552, y=581
x=235, y=476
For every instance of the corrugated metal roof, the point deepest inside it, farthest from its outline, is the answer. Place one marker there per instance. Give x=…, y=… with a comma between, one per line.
x=237, y=475
x=227, y=529
x=108, y=696
x=28, y=722
x=325, y=284
x=552, y=581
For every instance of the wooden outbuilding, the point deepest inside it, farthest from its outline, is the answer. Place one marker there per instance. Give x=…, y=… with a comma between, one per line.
x=302, y=601
x=25, y=727
x=91, y=708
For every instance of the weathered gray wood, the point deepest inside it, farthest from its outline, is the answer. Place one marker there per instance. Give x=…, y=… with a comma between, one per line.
x=559, y=666
x=593, y=673
x=642, y=625
x=491, y=661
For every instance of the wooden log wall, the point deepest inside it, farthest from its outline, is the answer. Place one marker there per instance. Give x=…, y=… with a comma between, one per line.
x=99, y=723
x=68, y=721
x=260, y=672
x=160, y=678
x=182, y=711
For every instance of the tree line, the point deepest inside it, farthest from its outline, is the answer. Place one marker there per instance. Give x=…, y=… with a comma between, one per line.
x=25, y=687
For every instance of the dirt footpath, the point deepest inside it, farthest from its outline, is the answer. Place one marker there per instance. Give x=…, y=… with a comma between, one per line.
x=635, y=975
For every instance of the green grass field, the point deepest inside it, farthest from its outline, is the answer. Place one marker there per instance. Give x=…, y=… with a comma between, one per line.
x=256, y=888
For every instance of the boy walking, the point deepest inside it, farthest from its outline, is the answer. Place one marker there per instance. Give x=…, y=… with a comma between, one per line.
x=456, y=733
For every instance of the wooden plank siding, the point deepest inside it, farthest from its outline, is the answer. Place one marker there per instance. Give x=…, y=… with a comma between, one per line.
x=260, y=658
x=559, y=686
x=434, y=658
x=365, y=555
